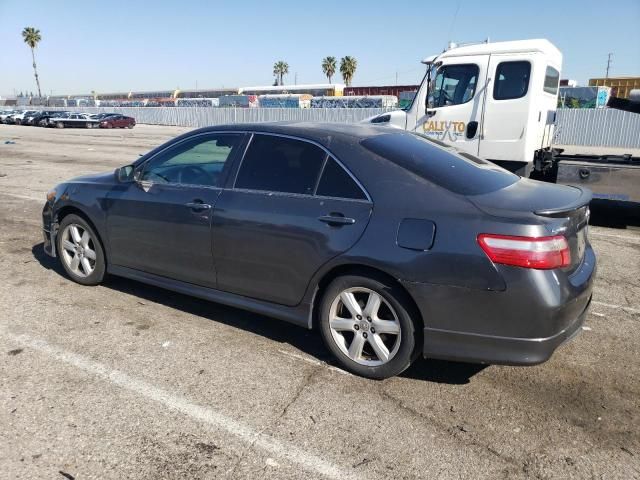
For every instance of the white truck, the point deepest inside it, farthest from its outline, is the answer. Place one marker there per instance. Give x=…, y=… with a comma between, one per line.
x=498, y=101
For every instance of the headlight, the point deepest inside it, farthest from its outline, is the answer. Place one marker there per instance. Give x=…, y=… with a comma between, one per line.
x=51, y=195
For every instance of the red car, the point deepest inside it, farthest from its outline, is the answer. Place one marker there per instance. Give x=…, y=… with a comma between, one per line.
x=117, y=121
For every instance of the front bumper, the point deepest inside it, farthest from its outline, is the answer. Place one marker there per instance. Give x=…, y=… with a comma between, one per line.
x=524, y=325
x=49, y=230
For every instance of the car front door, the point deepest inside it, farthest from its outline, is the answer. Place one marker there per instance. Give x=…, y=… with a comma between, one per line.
x=161, y=223
x=453, y=112
x=291, y=209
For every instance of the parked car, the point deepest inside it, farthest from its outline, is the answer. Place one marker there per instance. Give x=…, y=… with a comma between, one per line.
x=28, y=117
x=100, y=116
x=17, y=118
x=43, y=115
x=390, y=245
x=45, y=119
x=5, y=114
x=117, y=121
x=71, y=120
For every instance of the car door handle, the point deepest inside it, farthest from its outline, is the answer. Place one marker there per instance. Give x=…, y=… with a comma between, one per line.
x=431, y=113
x=198, y=206
x=337, y=220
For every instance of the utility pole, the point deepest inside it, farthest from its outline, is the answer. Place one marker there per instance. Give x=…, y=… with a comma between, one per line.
x=396, y=79
x=608, y=64
x=295, y=78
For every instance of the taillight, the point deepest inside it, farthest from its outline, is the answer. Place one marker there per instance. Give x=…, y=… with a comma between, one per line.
x=529, y=252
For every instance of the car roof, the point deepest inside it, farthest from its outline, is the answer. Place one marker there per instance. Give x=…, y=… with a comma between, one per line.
x=316, y=131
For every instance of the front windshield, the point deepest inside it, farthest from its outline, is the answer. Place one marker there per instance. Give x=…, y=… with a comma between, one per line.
x=410, y=105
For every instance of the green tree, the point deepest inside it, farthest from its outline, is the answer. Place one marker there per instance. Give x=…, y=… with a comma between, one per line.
x=329, y=67
x=32, y=37
x=348, y=67
x=280, y=69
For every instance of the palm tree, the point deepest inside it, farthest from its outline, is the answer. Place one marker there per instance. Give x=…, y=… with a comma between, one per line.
x=280, y=69
x=32, y=37
x=348, y=67
x=329, y=67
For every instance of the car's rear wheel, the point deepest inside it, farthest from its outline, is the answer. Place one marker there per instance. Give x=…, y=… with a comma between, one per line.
x=80, y=251
x=367, y=324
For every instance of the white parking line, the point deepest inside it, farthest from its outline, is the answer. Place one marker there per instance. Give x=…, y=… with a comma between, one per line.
x=284, y=450
x=616, y=307
x=622, y=237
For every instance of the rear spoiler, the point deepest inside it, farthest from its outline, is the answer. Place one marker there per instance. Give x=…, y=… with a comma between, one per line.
x=583, y=200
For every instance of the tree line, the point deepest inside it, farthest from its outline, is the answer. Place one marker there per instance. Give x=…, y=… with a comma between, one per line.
x=348, y=67
x=348, y=64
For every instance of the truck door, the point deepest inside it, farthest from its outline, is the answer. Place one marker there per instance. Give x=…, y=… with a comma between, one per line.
x=453, y=112
x=507, y=109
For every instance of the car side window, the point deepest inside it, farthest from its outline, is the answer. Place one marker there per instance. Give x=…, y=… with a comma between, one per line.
x=336, y=182
x=512, y=80
x=280, y=164
x=197, y=161
x=454, y=85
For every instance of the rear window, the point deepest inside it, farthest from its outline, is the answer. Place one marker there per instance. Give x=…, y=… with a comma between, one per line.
x=450, y=170
x=551, y=80
x=280, y=164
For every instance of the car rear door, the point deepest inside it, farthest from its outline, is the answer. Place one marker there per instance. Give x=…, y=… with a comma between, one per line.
x=291, y=209
x=161, y=223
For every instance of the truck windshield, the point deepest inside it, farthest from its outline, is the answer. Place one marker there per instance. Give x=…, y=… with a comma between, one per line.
x=460, y=173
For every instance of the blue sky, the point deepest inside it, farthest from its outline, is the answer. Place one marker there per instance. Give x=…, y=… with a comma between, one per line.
x=134, y=45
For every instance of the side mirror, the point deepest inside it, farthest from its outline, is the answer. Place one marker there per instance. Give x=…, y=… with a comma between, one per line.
x=125, y=174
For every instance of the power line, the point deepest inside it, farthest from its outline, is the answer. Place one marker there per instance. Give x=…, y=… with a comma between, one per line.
x=453, y=22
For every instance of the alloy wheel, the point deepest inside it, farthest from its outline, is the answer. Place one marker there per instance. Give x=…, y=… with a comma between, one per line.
x=364, y=326
x=78, y=250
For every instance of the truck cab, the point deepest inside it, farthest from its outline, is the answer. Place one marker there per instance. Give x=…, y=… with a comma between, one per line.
x=493, y=100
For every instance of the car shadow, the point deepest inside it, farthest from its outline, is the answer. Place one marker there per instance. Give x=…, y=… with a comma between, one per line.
x=606, y=213
x=304, y=340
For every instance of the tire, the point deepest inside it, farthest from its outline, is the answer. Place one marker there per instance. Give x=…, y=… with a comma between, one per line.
x=72, y=245
x=343, y=336
x=59, y=125
x=109, y=125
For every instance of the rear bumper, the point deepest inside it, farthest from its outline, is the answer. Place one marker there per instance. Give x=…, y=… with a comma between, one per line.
x=476, y=348
x=523, y=325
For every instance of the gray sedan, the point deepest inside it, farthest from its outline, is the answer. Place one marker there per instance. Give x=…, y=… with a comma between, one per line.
x=387, y=244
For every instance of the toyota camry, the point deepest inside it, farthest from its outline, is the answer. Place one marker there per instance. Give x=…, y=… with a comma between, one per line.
x=387, y=244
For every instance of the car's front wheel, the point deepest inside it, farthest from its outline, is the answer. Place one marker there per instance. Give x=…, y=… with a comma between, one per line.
x=80, y=251
x=367, y=324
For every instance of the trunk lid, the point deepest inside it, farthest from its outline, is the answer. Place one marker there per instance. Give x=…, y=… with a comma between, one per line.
x=566, y=206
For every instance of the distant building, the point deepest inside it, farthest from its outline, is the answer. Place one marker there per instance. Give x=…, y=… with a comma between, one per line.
x=565, y=82
x=381, y=90
x=620, y=86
